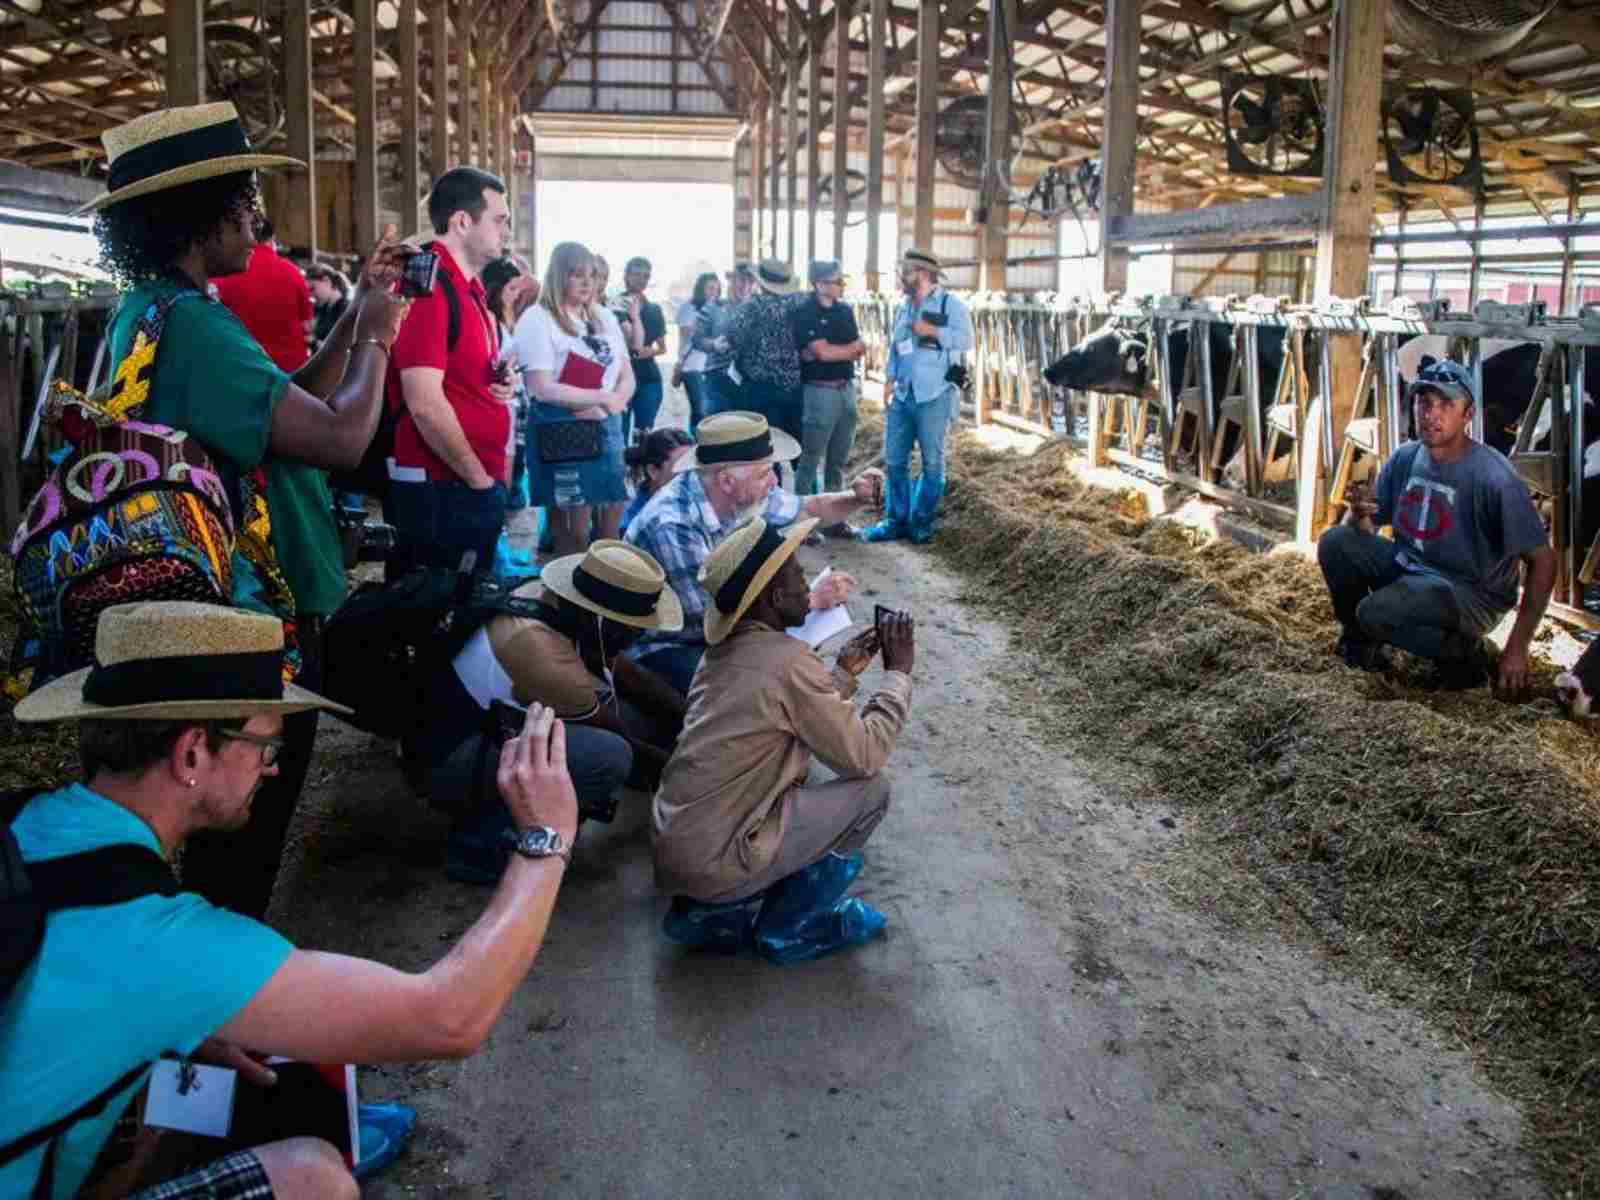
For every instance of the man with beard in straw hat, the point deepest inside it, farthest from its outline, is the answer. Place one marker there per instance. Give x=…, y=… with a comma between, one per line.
x=727, y=476
x=180, y=721
x=562, y=649
x=753, y=854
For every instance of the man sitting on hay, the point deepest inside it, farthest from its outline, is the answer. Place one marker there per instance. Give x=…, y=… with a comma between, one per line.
x=1463, y=520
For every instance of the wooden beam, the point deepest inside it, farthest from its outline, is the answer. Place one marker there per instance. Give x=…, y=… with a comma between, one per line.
x=877, y=31
x=186, y=52
x=299, y=227
x=461, y=55
x=366, y=104
x=1119, y=123
x=1566, y=301
x=841, y=124
x=485, y=124
x=813, y=132
x=1344, y=245
x=774, y=132
x=439, y=82
x=410, y=118
x=927, y=42
x=791, y=138
x=995, y=192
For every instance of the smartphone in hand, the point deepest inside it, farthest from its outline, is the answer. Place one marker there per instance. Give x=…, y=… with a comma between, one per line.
x=880, y=614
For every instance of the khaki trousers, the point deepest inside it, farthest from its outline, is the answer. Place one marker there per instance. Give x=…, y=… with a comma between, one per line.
x=834, y=817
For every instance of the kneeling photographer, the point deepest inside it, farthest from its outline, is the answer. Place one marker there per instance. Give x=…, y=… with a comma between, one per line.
x=925, y=374
x=560, y=644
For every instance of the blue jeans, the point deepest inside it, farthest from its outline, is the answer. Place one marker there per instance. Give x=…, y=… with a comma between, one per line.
x=722, y=393
x=598, y=760
x=699, y=392
x=675, y=662
x=644, y=406
x=1378, y=600
x=907, y=423
x=440, y=521
x=782, y=407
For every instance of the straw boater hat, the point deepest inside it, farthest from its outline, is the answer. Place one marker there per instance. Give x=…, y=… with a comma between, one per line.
x=925, y=259
x=741, y=565
x=774, y=276
x=616, y=580
x=175, y=146
x=736, y=438
x=176, y=660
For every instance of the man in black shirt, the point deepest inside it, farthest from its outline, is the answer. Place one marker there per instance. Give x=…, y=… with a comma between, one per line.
x=647, y=340
x=825, y=333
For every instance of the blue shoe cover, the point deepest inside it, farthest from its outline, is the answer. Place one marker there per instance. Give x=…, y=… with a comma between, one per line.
x=810, y=891
x=729, y=926
x=385, y=1130
x=850, y=922
x=886, y=530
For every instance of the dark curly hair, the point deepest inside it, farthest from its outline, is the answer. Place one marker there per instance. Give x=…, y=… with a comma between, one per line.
x=141, y=238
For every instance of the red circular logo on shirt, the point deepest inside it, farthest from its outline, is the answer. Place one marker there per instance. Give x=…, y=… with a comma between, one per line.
x=1423, y=514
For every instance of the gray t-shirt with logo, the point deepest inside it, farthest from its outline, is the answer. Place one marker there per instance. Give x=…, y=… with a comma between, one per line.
x=1467, y=522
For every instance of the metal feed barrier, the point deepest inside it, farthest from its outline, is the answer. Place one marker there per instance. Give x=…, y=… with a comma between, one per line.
x=1292, y=467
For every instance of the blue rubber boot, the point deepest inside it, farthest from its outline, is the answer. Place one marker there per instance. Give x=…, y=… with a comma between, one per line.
x=385, y=1130
x=807, y=915
x=896, y=508
x=699, y=926
x=925, y=508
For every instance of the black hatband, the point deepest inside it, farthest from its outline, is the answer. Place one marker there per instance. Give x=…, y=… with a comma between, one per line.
x=609, y=595
x=731, y=593
x=747, y=450
x=221, y=140
x=257, y=675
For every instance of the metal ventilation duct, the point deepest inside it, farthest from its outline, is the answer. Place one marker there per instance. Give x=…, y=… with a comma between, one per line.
x=1464, y=30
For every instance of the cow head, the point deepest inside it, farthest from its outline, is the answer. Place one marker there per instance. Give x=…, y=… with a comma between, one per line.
x=1578, y=690
x=1109, y=360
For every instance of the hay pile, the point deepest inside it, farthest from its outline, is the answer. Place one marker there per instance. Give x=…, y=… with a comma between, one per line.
x=1448, y=842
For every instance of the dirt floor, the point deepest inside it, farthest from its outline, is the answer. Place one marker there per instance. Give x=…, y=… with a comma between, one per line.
x=1061, y=1006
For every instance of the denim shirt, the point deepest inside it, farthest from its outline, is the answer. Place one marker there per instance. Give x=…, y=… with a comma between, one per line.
x=922, y=371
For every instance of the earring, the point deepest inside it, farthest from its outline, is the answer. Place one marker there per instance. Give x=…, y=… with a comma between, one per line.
x=193, y=782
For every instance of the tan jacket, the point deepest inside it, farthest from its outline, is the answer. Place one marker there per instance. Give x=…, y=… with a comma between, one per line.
x=761, y=704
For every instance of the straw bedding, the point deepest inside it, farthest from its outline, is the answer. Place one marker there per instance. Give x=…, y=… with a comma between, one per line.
x=1448, y=843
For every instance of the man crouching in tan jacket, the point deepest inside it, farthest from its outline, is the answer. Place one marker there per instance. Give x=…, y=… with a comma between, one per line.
x=752, y=854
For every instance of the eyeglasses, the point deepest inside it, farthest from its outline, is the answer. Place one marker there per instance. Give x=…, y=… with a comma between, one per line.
x=269, y=745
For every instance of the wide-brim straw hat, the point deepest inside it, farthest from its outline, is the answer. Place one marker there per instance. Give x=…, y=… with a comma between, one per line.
x=176, y=660
x=926, y=259
x=175, y=146
x=737, y=438
x=741, y=565
x=775, y=276
x=618, y=581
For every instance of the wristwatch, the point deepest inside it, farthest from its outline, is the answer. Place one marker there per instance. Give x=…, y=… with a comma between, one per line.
x=540, y=841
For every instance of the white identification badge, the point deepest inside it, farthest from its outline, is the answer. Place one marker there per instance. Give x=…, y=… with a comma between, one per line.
x=906, y=346
x=191, y=1098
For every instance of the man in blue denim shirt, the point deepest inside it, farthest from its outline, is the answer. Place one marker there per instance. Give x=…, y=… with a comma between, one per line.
x=931, y=331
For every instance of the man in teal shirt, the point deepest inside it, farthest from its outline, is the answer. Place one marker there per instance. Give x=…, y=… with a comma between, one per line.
x=932, y=331
x=181, y=724
x=181, y=210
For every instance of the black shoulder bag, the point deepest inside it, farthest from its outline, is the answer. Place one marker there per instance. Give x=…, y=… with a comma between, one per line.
x=575, y=440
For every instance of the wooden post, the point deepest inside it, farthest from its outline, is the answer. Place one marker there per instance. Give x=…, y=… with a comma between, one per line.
x=1567, y=300
x=186, y=52
x=752, y=193
x=877, y=26
x=927, y=114
x=774, y=171
x=1344, y=240
x=1399, y=254
x=841, y=123
x=1119, y=132
x=487, y=65
x=365, y=50
x=410, y=118
x=813, y=132
x=299, y=130
x=758, y=189
x=1475, y=275
x=995, y=194
x=739, y=173
x=791, y=133
x=439, y=69
x=462, y=54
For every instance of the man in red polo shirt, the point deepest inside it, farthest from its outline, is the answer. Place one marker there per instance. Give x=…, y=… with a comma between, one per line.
x=447, y=478
x=272, y=300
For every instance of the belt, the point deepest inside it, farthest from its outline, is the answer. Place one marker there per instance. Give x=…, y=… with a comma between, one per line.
x=831, y=384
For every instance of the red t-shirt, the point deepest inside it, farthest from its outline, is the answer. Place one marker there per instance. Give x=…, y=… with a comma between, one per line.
x=271, y=299
x=468, y=371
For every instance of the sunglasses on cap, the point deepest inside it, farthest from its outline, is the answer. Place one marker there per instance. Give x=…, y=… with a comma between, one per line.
x=1444, y=374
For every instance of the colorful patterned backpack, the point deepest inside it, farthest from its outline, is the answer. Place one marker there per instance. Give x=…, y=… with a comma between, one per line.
x=135, y=511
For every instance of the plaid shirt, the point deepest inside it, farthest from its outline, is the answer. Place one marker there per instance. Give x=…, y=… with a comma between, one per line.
x=763, y=340
x=680, y=528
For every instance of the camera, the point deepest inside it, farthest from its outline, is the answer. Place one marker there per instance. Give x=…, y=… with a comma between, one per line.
x=959, y=374
x=419, y=274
